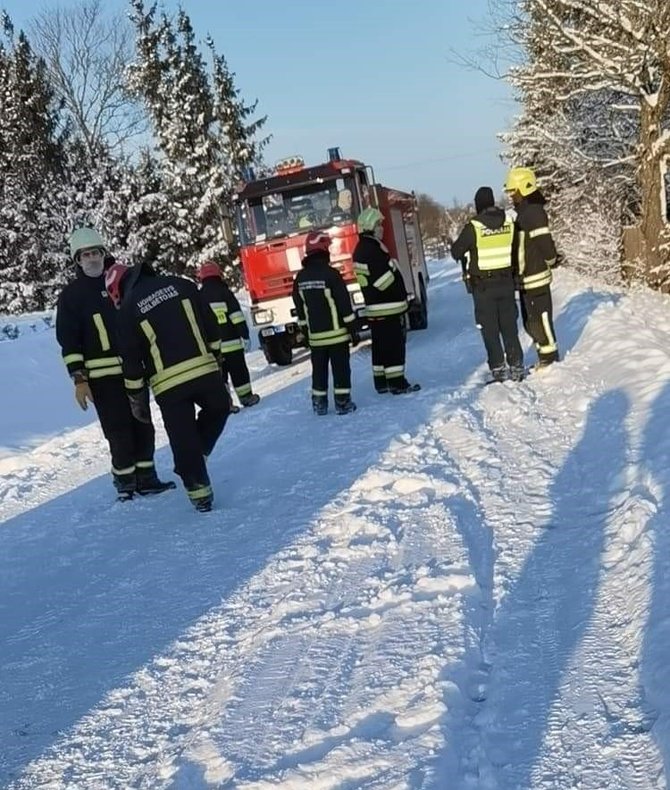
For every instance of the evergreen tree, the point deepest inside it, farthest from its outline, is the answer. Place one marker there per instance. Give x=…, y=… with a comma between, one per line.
x=31, y=259
x=203, y=133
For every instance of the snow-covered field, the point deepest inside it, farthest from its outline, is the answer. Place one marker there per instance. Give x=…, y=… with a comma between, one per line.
x=465, y=588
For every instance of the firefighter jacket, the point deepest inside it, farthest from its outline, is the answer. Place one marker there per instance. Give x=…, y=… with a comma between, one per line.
x=233, y=328
x=484, y=246
x=534, y=252
x=379, y=277
x=322, y=301
x=86, y=328
x=168, y=335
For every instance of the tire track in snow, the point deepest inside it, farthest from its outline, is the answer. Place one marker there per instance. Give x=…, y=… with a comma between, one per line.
x=375, y=617
x=549, y=563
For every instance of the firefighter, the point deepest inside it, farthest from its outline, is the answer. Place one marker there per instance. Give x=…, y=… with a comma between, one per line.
x=169, y=336
x=86, y=333
x=323, y=305
x=484, y=249
x=534, y=256
x=386, y=303
x=233, y=330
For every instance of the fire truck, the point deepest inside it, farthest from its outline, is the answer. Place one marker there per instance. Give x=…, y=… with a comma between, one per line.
x=275, y=213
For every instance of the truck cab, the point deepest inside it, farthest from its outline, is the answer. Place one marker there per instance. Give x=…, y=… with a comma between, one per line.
x=274, y=214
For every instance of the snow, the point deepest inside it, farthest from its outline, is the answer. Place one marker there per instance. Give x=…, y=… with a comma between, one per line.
x=466, y=588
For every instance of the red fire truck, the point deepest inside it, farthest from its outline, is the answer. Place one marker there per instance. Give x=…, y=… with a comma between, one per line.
x=274, y=215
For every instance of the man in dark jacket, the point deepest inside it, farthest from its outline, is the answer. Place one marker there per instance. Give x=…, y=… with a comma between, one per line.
x=232, y=327
x=170, y=338
x=484, y=249
x=86, y=333
x=386, y=303
x=533, y=257
x=323, y=305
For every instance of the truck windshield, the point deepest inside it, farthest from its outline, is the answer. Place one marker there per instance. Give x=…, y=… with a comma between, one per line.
x=298, y=210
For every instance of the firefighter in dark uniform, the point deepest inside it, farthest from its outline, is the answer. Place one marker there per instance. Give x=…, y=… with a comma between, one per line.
x=534, y=256
x=86, y=332
x=484, y=249
x=232, y=327
x=323, y=305
x=386, y=303
x=170, y=338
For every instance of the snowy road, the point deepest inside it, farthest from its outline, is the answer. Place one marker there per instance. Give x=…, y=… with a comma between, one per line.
x=463, y=589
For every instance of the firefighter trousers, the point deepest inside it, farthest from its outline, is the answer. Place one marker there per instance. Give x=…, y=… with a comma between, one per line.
x=235, y=365
x=337, y=358
x=193, y=438
x=538, y=321
x=496, y=315
x=388, y=351
x=131, y=442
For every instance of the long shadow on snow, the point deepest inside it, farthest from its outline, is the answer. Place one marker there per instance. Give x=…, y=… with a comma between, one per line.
x=91, y=591
x=543, y=617
x=655, y=669
x=574, y=317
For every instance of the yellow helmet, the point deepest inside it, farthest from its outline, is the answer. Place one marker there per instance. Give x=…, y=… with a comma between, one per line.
x=522, y=180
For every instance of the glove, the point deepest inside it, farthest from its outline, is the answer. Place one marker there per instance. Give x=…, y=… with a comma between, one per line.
x=139, y=405
x=468, y=283
x=354, y=336
x=82, y=393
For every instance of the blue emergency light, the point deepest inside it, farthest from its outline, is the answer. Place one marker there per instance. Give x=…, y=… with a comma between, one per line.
x=334, y=155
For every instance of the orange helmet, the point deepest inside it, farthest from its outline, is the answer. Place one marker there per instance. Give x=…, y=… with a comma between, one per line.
x=317, y=240
x=209, y=269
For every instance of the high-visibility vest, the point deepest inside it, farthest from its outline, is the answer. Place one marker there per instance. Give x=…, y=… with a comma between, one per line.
x=494, y=245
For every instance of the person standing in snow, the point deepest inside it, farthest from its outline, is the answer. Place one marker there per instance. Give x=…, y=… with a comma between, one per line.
x=484, y=249
x=386, y=303
x=233, y=329
x=86, y=333
x=533, y=258
x=323, y=305
x=168, y=337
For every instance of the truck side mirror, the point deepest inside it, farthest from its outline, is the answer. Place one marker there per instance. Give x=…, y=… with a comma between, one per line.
x=228, y=234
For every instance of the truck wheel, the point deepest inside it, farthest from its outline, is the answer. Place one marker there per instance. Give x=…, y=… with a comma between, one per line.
x=418, y=318
x=278, y=351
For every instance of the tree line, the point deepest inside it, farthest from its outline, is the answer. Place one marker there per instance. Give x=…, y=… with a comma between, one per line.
x=127, y=123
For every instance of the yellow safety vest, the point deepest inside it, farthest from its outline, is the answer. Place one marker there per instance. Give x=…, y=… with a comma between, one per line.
x=494, y=245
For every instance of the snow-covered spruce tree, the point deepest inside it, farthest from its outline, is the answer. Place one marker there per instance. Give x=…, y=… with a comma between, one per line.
x=202, y=132
x=31, y=260
x=612, y=54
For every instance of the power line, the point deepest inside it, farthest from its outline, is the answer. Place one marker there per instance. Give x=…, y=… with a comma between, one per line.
x=440, y=159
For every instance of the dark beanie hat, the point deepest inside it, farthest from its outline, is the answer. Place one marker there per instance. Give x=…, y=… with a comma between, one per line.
x=484, y=199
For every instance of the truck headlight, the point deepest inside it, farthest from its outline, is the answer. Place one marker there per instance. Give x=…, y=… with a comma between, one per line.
x=262, y=316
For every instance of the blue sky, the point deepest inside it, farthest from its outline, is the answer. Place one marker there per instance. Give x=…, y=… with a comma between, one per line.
x=372, y=77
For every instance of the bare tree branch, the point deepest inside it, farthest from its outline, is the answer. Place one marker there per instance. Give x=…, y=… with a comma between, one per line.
x=86, y=51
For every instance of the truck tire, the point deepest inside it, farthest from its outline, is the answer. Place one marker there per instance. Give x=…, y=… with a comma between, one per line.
x=418, y=317
x=278, y=351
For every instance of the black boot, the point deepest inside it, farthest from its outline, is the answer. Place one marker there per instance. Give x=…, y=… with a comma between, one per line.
x=320, y=404
x=517, y=372
x=344, y=404
x=381, y=385
x=148, y=482
x=125, y=485
x=201, y=496
x=250, y=400
x=402, y=386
